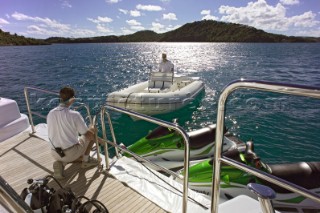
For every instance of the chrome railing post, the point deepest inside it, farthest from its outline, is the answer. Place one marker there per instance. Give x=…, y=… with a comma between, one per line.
x=104, y=135
x=266, y=205
x=26, y=95
x=87, y=109
x=217, y=156
x=112, y=133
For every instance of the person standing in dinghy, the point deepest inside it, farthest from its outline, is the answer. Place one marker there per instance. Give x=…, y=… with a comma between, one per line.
x=166, y=65
x=64, y=127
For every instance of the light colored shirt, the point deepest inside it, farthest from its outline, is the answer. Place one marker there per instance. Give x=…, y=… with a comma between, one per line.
x=64, y=126
x=166, y=66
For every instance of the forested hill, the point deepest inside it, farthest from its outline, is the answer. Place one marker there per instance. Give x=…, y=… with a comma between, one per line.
x=8, y=39
x=199, y=31
x=214, y=31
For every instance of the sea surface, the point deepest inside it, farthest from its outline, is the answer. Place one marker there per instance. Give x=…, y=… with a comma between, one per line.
x=284, y=128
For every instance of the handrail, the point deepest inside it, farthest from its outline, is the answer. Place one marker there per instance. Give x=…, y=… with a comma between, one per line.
x=290, y=89
x=26, y=95
x=83, y=105
x=124, y=149
x=104, y=112
x=138, y=157
x=161, y=123
x=30, y=112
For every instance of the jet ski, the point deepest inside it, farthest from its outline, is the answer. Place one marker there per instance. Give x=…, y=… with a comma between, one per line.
x=234, y=182
x=165, y=146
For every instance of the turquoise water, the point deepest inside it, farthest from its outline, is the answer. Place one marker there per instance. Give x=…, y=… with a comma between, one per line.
x=284, y=128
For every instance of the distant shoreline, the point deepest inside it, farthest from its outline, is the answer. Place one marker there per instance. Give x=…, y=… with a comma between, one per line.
x=199, y=31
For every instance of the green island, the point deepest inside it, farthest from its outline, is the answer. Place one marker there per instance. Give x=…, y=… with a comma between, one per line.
x=6, y=39
x=199, y=31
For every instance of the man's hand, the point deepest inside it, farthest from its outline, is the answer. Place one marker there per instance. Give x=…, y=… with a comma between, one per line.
x=90, y=133
x=92, y=129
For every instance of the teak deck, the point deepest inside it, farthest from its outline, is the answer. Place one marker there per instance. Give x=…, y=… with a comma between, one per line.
x=24, y=157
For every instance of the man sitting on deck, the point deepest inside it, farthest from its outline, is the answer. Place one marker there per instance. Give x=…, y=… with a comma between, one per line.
x=165, y=64
x=64, y=127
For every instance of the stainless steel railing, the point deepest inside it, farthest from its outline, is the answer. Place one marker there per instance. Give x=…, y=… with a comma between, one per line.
x=158, y=122
x=263, y=86
x=31, y=113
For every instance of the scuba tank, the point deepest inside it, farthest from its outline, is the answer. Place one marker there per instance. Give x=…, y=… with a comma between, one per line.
x=41, y=198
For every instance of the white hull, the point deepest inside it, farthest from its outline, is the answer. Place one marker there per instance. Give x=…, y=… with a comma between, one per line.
x=12, y=122
x=143, y=99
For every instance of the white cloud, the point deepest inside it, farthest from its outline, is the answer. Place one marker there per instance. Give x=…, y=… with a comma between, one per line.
x=312, y=33
x=207, y=15
x=149, y=7
x=3, y=22
x=123, y=11
x=137, y=28
x=100, y=20
x=126, y=31
x=103, y=29
x=307, y=19
x=65, y=4
x=37, y=30
x=105, y=19
x=45, y=32
x=133, y=22
x=157, y=27
x=20, y=16
x=134, y=26
x=170, y=16
x=45, y=27
x=267, y=17
x=170, y=27
x=34, y=27
x=205, y=12
x=46, y=21
x=289, y=2
x=135, y=13
x=112, y=1
x=82, y=33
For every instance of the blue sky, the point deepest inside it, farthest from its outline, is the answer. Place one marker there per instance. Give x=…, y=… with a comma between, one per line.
x=88, y=18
